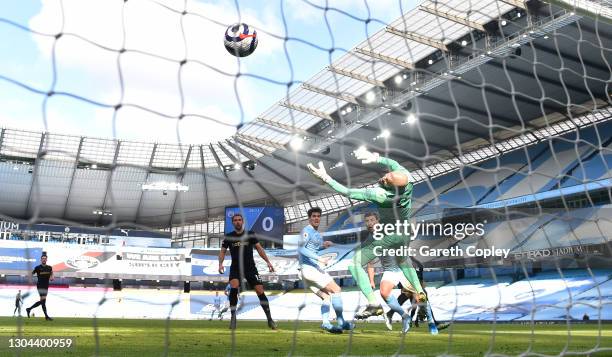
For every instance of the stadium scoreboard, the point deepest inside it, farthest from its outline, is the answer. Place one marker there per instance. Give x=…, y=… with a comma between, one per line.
x=266, y=221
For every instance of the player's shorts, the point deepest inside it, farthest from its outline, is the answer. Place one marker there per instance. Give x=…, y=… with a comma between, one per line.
x=397, y=277
x=315, y=279
x=42, y=291
x=252, y=277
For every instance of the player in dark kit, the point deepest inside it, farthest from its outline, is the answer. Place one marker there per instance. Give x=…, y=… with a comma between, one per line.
x=44, y=273
x=241, y=244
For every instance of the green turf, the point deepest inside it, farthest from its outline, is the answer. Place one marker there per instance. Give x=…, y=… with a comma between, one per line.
x=118, y=337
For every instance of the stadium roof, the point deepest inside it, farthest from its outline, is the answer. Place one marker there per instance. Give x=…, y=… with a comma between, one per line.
x=428, y=88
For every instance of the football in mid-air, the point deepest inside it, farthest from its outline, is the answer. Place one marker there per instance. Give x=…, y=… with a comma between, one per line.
x=240, y=40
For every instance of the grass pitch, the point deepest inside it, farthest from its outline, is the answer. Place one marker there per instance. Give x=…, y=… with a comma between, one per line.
x=118, y=337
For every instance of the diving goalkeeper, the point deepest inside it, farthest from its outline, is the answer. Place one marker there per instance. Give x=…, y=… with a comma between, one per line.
x=393, y=196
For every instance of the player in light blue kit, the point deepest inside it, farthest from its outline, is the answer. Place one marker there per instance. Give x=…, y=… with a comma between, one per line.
x=317, y=280
x=216, y=306
x=226, y=306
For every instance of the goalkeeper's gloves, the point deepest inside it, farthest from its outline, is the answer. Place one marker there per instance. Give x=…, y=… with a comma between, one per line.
x=366, y=156
x=319, y=172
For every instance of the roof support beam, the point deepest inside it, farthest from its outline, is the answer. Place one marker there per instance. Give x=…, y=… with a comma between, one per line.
x=261, y=141
x=180, y=176
x=385, y=58
x=568, y=56
x=227, y=179
x=35, y=175
x=359, y=77
x=74, y=171
x=516, y=3
x=519, y=97
x=419, y=140
x=286, y=127
x=265, y=166
x=140, y=201
x=338, y=95
x=457, y=19
x=250, y=175
x=475, y=110
x=109, y=181
x=311, y=111
x=256, y=148
x=205, y=191
x=417, y=38
x=538, y=76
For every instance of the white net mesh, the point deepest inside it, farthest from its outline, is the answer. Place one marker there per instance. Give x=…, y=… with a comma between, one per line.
x=128, y=132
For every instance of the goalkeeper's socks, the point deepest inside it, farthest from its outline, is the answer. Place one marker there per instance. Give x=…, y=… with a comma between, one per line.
x=395, y=306
x=363, y=281
x=36, y=304
x=325, y=312
x=411, y=274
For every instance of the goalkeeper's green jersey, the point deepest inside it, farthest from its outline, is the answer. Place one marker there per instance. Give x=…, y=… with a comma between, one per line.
x=394, y=203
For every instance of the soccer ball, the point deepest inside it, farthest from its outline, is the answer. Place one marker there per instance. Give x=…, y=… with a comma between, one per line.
x=240, y=40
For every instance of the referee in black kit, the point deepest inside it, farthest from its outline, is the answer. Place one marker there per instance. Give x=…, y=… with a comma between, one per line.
x=241, y=244
x=44, y=273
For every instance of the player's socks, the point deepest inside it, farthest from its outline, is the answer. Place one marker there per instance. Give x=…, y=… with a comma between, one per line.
x=325, y=313
x=411, y=274
x=428, y=313
x=400, y=300
x=406, y=320
x=363, y=282
x=232, y=325
x=233, y=299
x=336, y=301
x=36, y=304
x=432, y=325
x=28, y=312
x=395, y=306
x=44, y=307
x=325, y=323
x=265, y=305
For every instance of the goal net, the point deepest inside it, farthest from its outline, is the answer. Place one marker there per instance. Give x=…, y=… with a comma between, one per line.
x=131, y=136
